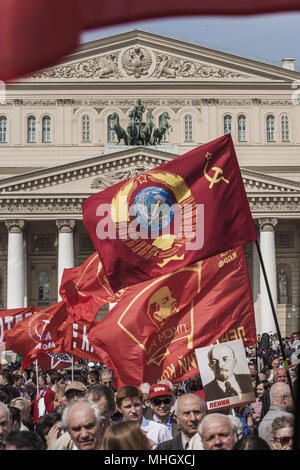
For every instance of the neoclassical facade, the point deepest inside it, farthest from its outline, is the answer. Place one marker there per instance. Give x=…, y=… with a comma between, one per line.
x=57, y=147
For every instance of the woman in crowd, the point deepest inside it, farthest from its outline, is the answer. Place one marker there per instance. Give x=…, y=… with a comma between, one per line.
x=125, y=435
x=282, y=432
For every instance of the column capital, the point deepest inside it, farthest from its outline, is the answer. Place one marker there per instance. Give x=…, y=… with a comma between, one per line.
x=65, y=226
x=267, y=224
x=15, y=225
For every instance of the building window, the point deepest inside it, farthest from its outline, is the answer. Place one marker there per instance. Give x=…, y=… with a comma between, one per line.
x=284, y=128
x=270, y=124
x=85, y=128
x=188, y=128
x=111, y=135
x=43, y=286
x=3, y=129
x=227, y=124
x=242, y=128
x=165, y=137
x=46, y=129
x=31, y=129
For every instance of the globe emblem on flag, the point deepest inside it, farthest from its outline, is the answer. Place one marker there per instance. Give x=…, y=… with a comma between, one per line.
x=148, y=211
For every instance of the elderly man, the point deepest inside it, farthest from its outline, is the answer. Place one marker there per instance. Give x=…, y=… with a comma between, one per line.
x=161, y=400
x=106, y=377
x=82, y=419
x=189, y=411
x=5, y=425
x=281, y=405
x=218, y=432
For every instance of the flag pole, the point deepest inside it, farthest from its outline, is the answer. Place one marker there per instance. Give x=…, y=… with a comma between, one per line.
x=275, y=320
x=37, y=377
x=72, y=371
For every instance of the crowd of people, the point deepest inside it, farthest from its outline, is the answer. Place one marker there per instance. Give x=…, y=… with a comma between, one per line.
x=47, y=410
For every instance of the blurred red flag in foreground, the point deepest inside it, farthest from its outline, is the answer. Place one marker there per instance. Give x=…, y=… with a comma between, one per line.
x=35, y=34
x=185, y=210
x=153, y=331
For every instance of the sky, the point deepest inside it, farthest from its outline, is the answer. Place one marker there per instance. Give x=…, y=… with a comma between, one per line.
x=266, y=38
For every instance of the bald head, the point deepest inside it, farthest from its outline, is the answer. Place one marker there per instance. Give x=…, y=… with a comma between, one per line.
x=5, y=426
x=189, y=411
x=280, y=395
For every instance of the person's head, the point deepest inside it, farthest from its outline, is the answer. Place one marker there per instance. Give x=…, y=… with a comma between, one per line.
x=125, y=435
x=5, y=395
x=280, y=375
x=53, y=376
x=93, y=377
x=42, y=381
x=275, y=363
x=161, y=397
x=104, y=398
x=280, y=395
x=252, y=370
x=82, y=418
x=190, y=409
x=18, y=381
x=129, y=403
x=23, y=440
x=282, y=432
x=251, y=443
x=253, y=352
x=106, y=377
x=91, y=366
x=222, y=361
x=5, y=378
x=260, y=389
x=75, y=391
x=30, y=387
x=24, y=406
x=218, y=432
x=144, y=388
x=5, y=422
x=45, y=423
x=15, y=418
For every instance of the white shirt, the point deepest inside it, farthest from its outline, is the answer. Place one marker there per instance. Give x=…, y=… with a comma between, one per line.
x=157, y=432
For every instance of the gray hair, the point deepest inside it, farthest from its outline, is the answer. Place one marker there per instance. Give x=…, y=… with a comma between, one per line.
x=106, y=372
x=281, y=422
x=81, y=402
x=189, y=395
x=234, y=422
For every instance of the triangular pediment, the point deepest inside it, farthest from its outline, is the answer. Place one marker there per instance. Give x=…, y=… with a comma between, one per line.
x=141, y=56
x=82, y=178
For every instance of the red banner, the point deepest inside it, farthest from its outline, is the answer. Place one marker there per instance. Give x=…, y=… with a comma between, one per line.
x=154, y=331
x=38, y=33
x=188, y=209
x=85, y=289
x=9, y=318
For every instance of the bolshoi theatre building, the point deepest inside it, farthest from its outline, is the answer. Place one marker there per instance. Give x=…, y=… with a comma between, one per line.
x=58, y=145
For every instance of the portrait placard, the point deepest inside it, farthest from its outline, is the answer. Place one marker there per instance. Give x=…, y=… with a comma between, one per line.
x=225, y=375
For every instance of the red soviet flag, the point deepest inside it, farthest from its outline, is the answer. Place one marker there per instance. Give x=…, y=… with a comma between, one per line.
x=39, y=333
x=85, y=289
x=152, y=333
x=188, y=209
x=9, y=318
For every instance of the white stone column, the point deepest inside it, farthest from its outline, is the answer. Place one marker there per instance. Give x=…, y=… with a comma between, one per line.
x=267, y=247
x=65, y=248
x=15, y=264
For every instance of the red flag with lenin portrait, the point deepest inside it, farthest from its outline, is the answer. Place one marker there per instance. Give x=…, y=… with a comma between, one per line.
x=152, y=333
x=183, y=211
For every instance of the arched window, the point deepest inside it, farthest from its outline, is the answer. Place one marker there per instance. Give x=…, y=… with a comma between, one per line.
x=165, y=137
x=46, y=129
x=31, y=129
x=227, y=124
x=111, y=135
x=188, y=128
x=284, y=128
x=242, y=128
x=43, y=286
x=3, y=129
x=85, y=128
x=270, y=127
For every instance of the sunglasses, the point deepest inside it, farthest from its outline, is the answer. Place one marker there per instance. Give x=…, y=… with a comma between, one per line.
x=159, y=401
x=285, y=440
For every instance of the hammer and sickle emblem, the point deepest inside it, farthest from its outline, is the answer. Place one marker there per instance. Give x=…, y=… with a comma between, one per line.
x=218, y=171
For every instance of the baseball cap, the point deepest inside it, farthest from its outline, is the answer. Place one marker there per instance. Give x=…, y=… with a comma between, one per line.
x=91, y=364
x=159, y=390
x=79, y=386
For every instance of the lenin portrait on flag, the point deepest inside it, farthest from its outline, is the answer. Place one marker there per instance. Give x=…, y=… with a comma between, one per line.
x=224, y=360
